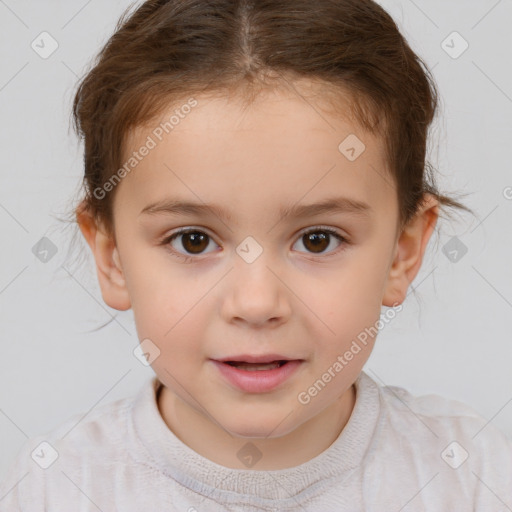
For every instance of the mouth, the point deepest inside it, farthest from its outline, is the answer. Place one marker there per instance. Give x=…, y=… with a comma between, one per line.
x=257, y=374
x=242, y=365
x=257, y=362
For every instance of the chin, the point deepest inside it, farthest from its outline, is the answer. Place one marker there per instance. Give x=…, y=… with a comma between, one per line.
x=257, y=428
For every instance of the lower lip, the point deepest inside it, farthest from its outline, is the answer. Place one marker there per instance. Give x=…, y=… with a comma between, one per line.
x=257, y=381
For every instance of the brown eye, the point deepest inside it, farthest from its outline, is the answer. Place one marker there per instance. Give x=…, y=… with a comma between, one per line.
x=318, y=240
x=194, y=242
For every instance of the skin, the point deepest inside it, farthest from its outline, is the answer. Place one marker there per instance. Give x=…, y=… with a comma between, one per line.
x=291, y=300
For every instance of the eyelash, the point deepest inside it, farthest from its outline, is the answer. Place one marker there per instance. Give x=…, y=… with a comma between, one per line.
x=187, y=259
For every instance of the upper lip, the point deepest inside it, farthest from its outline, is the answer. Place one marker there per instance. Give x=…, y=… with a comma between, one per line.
x=263, y=358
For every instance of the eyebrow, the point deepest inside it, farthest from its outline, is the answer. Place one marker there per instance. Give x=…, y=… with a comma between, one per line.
x=330, y=205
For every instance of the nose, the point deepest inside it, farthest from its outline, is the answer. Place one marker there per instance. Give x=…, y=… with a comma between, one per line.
x=256, y=294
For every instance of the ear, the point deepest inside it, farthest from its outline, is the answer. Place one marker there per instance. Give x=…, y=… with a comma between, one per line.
x=108, y=264
x=409, y=251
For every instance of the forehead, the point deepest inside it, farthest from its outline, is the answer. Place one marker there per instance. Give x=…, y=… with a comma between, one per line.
x=285, y=144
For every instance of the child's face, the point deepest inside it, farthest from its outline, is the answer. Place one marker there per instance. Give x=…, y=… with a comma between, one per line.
x=302, y=298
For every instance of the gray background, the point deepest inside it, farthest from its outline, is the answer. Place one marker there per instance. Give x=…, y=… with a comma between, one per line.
x=452, y=337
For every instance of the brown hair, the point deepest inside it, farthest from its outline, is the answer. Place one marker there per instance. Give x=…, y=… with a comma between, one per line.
x=167, y=50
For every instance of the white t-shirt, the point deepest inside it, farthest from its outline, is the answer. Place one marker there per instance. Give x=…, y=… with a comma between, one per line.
x=397, y=452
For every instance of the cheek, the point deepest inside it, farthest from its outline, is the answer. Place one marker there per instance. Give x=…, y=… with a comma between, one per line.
x=171, y=312
x=172, y=318
x=177, y=329
x=349, y=302
x=162, y=304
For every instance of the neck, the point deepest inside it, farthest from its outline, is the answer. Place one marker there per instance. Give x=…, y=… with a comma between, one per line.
x=209, y=440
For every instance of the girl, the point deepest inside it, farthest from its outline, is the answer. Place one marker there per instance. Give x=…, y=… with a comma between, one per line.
x=255, y=191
